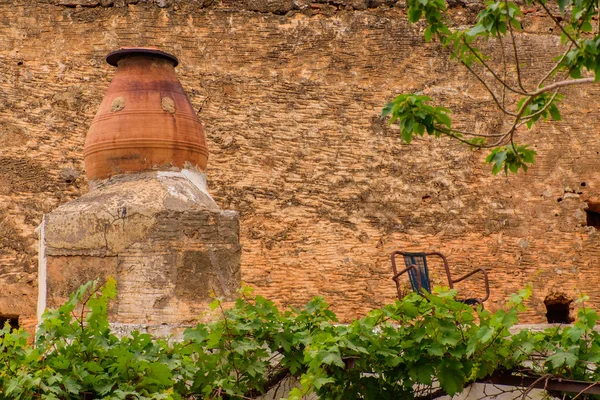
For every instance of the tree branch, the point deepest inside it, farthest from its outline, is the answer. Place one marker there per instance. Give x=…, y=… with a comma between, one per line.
x=489, y=90
x=483, y=135
x=560, y=84
x=433, y=395
x=493, y=72
x=528, y=117
x=558, y=23
x=453, y=134
x=554, y=86
x=584, y=390
x=555, y=66
x=514, y=46
x=505, y=71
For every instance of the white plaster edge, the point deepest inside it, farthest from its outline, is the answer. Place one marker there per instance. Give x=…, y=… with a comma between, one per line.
x=198, y=179
x=42, y=271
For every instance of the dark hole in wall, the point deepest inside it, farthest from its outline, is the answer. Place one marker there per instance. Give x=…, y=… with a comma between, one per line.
x=592, y=214
x=592, y=218
x=13, y=320
x=558, y=309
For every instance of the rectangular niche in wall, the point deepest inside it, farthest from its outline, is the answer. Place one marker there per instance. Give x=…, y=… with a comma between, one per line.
x=592, y=214
x=12, y=319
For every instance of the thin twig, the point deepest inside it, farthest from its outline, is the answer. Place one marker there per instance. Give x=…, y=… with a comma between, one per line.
x=505, y=71
x=489, y=90
x=514, y=45
x=228, y=340
x=432, y=395
x=502, y=138
x=554, y=86
x=532, y=386
x=567, y=51
x=514, y=148
x=535, y=114
x=483, y=135
x=558, y=23
x=584, y=390
x=449, y=132
x=555, y=66
x=481, y=60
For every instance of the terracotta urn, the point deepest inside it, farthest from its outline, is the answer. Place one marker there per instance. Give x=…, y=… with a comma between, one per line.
x=146, y=121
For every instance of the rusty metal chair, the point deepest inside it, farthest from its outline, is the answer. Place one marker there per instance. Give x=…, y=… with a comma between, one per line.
x=418, y=274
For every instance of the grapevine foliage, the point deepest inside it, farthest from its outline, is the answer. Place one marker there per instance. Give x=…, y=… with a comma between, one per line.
x=419, y=346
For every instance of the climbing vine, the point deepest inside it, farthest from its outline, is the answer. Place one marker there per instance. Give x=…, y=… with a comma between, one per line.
x=420, y=347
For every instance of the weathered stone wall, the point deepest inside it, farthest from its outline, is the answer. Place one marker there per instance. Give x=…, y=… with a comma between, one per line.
x=290, y=93
x=159, y=234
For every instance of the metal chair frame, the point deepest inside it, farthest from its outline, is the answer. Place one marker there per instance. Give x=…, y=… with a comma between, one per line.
x=451, y=282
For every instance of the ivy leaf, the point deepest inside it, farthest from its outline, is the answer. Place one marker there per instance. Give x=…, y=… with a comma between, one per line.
x=485, y=334
x=319, y=382
x=574, y=333
x=71, y=385
x=451, y=377
x=422, y=372
x=331, y=357
x=435, y=350
x=197, y=334
x=561, y=358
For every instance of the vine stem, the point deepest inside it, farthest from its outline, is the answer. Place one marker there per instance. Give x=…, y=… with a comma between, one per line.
x=530, y=388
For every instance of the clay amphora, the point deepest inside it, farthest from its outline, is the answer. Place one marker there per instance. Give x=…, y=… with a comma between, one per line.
x=145, y=121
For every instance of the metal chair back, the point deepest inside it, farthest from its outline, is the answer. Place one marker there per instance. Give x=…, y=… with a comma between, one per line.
x=419, y=260
x=418, y=275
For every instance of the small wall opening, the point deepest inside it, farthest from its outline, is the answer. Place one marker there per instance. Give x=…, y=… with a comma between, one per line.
x=13, y=320
x=592, y=214
x=558, y=309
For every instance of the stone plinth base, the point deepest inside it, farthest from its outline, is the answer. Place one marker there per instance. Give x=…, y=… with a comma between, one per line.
x=160, y=234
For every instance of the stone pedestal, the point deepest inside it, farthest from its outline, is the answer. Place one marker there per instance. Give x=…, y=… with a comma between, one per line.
x=160, y=234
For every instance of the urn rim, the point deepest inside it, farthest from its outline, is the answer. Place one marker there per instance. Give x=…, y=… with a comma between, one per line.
x=113, y=57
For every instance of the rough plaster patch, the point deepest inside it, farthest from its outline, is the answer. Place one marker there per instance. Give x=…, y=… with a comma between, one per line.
x=175, y=193
x=168, y=104
x=117, y=104
x=229, y=213
x=197, y=179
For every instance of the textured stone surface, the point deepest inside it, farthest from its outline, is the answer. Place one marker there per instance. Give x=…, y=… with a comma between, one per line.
x=163, y=238
x=67, y=273
x=291, y=102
